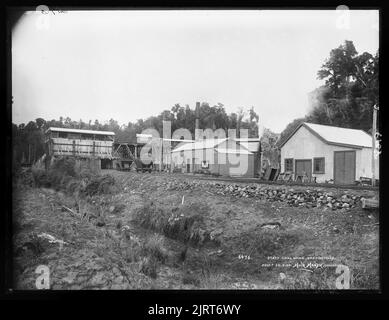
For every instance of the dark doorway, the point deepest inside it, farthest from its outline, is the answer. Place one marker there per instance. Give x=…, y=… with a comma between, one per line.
x=106, y=164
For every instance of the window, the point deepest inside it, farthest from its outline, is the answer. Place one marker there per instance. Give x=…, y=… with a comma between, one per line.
x=86, y=136
x=74, y=136
x=318, y=165
x=289, y=165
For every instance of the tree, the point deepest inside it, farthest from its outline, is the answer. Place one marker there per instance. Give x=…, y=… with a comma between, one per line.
x=350, y=90
x=290, y=128
x=29, y=139
x=338, y=69
x=253, y=115
x=40, y=123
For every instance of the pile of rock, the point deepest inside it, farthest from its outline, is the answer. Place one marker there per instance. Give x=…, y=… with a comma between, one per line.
x=296, y=198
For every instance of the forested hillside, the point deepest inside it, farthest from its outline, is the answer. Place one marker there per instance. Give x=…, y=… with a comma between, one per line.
x=28, y=139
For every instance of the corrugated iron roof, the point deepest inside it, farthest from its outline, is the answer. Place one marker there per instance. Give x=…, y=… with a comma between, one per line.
x=202, y=144
x=344, y=136
x=107, y=133
x=247, y=139
x=251, y=146
x=233, y=151
x=336, y=135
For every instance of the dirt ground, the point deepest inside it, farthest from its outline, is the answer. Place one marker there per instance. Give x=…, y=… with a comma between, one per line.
x=248, y=243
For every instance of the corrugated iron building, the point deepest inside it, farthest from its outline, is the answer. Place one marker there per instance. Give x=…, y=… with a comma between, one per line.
x=226, y=157
x=328, y=153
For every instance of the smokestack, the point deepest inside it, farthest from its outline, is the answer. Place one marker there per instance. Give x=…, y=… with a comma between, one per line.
x=197, y=125
x=197, y=111
x=261, y=129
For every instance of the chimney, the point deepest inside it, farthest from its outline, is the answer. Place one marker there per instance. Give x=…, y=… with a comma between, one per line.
x=197, y=124
x=197, y=111
x=261, y=129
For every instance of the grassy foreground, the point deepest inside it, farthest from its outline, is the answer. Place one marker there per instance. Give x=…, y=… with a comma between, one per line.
x=125, y=230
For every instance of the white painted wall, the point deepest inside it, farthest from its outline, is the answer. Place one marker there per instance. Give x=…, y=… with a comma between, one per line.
x=304, y=145
x=365, y=169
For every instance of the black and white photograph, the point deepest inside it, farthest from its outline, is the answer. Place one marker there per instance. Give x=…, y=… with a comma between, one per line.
x=195, y=149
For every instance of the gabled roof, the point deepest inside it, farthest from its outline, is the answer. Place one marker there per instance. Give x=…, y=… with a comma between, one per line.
x=201, y=144
x=106, y=133
x=251, y=146
x=353, y=138
x=248, y=139
x=233, y=151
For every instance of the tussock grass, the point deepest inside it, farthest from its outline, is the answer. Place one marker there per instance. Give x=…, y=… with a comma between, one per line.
x=149, y=267
x=184, y=223
x=154, y=247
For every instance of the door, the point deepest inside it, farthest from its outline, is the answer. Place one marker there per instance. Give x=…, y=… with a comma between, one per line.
x=303, y=167
x=344, y=167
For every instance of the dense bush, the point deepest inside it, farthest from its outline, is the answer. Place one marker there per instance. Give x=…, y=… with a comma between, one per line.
x=65, y=166
x=63, y=176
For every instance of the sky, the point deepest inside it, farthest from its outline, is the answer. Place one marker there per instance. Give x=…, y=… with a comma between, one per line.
x=128, y=65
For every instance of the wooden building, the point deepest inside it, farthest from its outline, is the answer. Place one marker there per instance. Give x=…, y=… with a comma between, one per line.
x=328, y=154
x=90, y=146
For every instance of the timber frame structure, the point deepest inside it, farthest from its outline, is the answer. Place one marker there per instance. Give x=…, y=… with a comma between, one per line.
x=88, y=147
x=79, y=143
x=125, y=154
